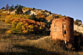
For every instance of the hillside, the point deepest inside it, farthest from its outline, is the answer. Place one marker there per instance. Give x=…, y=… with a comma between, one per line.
x=27, y=31
x=37, y=12
x=31, y=16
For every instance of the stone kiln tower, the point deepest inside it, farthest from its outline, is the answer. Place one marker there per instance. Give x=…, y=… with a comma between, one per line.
x=62, y=29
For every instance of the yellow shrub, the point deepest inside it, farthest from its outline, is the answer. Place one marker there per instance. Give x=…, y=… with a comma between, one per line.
x=25, y=31
x=19, y=26
x=40, y=28
x=7, y=20
x=23, y=28
x=31, y=26
x=9, y=32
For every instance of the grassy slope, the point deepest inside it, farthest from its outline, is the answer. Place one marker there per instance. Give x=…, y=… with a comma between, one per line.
x=17, y=44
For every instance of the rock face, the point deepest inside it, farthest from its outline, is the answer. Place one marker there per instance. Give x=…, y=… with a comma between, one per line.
x=62, y=29
x=78, y=28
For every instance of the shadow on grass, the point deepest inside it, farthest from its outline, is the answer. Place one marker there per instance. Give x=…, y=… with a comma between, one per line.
x=31, y=51
x=2, y=31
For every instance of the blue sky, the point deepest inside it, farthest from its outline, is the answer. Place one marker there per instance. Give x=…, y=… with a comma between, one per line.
x=72, y=8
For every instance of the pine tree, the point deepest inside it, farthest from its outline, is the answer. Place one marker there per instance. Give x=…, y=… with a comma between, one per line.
x=19, y=10
x=11, y=8
x=3, y=8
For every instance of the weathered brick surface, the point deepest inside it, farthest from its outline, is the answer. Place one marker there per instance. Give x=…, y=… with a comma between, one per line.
x=62, y=29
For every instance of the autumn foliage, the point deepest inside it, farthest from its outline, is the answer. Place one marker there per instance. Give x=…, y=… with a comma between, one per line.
x=26, y=23
x=22, y=25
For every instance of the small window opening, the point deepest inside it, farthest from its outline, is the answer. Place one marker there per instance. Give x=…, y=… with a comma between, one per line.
x=65, y=32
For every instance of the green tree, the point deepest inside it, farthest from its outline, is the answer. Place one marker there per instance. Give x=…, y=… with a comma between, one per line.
x=78, y=22
x=18, y=6
x=11, y=8
x=3, y=8
x=33, y=17
x=19, y=10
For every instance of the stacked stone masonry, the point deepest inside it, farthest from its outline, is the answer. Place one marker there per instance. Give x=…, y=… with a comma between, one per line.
x=62, y=29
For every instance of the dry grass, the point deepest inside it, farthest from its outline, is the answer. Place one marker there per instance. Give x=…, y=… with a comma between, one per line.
x=47, y=44
x=16, y=44
x=22, y=45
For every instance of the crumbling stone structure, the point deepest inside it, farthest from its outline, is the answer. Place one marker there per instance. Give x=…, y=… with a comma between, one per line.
x=62, y=29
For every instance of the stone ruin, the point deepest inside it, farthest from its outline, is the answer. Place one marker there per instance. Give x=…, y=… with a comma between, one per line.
x=62, y=29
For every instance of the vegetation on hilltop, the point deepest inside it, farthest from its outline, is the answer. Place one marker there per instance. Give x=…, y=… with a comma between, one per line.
x=18, y=20
x=78, y=22
x=15, y=15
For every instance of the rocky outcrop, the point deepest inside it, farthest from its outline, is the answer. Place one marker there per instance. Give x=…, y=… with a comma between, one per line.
x=78, y=28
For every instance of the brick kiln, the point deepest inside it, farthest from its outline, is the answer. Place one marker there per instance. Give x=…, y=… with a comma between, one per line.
x=62, y=29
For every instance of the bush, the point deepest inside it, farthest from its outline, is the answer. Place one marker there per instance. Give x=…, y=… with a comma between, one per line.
x=9, y=32
x=78, y=22
x=17, y=27
x=7, y=20
x=19, y=10
x=11, y=8
x=21, y=26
